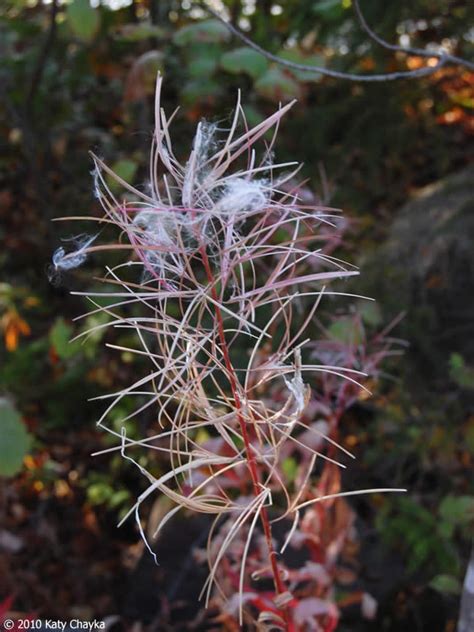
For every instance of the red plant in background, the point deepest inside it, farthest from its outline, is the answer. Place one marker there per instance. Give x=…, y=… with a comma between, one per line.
x=327, y=527
x=228, y=268
x=5, y=610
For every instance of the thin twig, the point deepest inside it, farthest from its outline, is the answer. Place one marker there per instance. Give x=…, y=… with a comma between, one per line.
x=40, y=65
x=442, y=57
x=408, y=50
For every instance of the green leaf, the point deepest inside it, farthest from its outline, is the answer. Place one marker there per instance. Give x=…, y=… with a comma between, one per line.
x=370, y=312
x=244, y=60
x=254, y=117
x=118, y=498
x=139, y=32
x=202, y=66
x=290, y=468
x=83, y=19
x=446, y=584
x=457, y=510
x=60, y=336
x=14, y=439
x=297, y=57
x=420, y=552
x=446, y=529
x=460, y=372
x=277, y=85
x=347, y=331
x=99, y=493
x=200, y=90
x=456, y=361
x=329, y=10
x=206, y=31
x=125, y=169
x=410, y=526
x=202, y=436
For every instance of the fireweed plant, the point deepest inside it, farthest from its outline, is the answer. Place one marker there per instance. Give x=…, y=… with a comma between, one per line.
x=323, y=538
x=227, y=266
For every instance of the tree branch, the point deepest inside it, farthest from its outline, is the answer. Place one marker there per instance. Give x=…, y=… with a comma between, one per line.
x=408, y=50
x=442, y=57
x=38, y=70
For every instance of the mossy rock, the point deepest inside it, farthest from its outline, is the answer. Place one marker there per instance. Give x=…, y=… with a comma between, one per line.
x=426, y=269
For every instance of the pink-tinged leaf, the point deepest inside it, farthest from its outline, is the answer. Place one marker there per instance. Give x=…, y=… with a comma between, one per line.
x=5, y=606
x=368, y=607
x=307, y=609
x=308, y=278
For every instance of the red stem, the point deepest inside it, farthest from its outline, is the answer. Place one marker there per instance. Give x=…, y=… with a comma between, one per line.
x=251, y=461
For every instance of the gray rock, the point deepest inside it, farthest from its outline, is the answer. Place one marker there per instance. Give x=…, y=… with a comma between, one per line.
x=426, y=268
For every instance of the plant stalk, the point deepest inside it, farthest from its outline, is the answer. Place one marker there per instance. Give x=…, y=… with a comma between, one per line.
x=252, y=463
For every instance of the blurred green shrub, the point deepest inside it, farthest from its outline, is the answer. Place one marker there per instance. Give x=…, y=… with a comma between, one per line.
x=15, y=440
